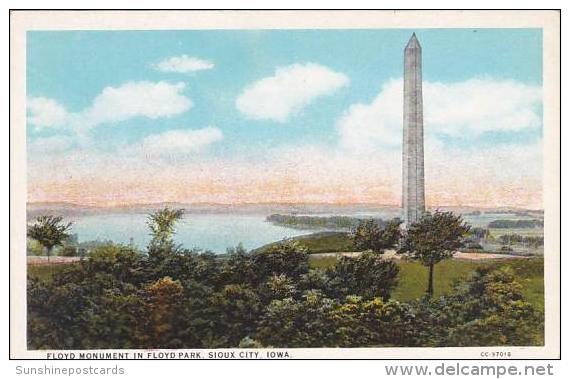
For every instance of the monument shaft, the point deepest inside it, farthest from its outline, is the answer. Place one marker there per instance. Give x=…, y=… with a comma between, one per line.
x=413, y=190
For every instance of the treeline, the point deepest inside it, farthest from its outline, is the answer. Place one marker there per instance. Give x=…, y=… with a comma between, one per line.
x=319, y=222
x=171, y=297
x=70, y=248
x=476, y=234
x=531, y=241
x=514, y=224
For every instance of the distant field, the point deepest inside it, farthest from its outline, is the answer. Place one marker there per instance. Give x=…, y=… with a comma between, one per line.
x=413, y=276
x=323, y=242
x=527, y=232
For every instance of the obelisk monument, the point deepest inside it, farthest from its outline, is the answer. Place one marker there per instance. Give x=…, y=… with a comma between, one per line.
x=413, y=191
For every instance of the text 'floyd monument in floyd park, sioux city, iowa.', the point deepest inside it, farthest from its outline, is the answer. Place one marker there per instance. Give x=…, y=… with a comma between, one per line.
x=413, y=190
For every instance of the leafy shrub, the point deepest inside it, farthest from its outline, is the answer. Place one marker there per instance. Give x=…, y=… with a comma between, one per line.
x=370, y=235
x=68, y=251
x=367, y=275
x=287, y=258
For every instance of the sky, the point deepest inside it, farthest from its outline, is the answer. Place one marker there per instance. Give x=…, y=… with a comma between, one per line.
x=280, y=116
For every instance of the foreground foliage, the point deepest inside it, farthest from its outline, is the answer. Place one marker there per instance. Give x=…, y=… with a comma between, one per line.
x=118, y=299
x=170, y=297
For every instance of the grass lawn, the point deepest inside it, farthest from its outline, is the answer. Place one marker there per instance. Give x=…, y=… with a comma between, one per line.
x=413, y=276
x=322, y=242
x=45, y=272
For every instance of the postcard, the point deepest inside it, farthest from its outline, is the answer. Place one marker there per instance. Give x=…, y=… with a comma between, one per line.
x=285, y=184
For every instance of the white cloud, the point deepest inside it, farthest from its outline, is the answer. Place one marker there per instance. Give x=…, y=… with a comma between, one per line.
x=476, y=106
x=466, y=108
x=135, y=99
x=288, y=91
x=183, y=64
x=367, y=126
x=114, y=104
x=45, y=113
x=54, y=144
x=180, y=141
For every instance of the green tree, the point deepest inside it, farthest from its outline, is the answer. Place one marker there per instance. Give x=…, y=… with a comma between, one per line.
x=68, y=251
x=163, y=300
x=50, y=231
x=161, y=224
x=367, y=275
x=122, y=262
x=277, y=287
x=239, y=267
x=235, y=311
x=369, y=236
x=490, y=310
x=373, y=322
x=287, y=258
x=479, y=233
x=433, y=238
x=304, y=322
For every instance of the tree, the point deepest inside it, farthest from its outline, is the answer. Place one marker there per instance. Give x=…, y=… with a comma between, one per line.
x=164, y=297
x=305, y=322
x=369, y=236
x=49, y=231
x=121, y=262
x=433, y=238
x=479, y=233
x=161, y=224
x=277, y=287
x=239, y=267
x=235, y=311
x=288, y=258
x=368, y=275
x=489, y=309
x=373, y=322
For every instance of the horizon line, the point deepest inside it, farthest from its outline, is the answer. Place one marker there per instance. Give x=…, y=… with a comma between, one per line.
x=134, y=205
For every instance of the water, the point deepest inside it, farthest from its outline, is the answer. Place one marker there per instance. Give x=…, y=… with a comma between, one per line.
x=214, y=232
x=484, y=219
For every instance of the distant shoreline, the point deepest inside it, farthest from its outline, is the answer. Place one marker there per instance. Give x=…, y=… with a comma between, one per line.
x=69, y=209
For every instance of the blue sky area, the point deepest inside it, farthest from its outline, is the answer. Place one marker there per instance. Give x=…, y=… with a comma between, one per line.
x=73, y=67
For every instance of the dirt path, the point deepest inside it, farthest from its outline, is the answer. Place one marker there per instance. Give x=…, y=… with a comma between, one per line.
x=39, y=261
x=391, y=254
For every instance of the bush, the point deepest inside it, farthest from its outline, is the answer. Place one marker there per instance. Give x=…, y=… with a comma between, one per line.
x=68, y=251
x=236, y=309
x=489, y=310
x=369, y=235
x=367, y=275
x=288, y=258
